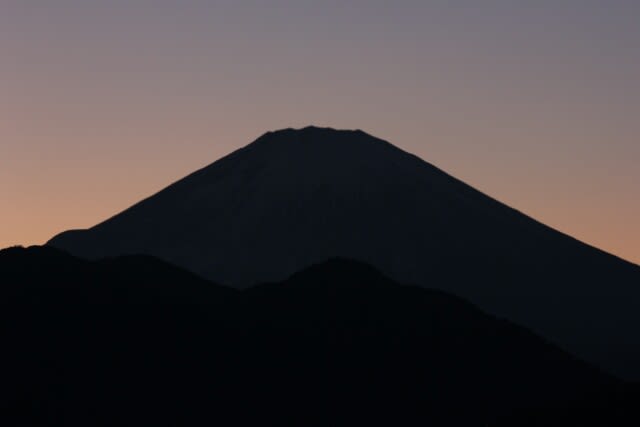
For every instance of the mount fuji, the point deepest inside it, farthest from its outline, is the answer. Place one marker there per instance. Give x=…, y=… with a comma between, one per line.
x=294, y=198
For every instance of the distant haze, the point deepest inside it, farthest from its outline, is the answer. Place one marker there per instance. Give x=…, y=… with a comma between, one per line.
x=103, y=103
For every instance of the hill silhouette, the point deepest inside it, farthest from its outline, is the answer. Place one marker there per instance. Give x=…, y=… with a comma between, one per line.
x=294, y=198
x=135, y=341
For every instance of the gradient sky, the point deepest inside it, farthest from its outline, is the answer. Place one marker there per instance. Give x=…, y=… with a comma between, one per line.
x=536, y=103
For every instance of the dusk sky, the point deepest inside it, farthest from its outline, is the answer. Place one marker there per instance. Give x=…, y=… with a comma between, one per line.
x=536, y=103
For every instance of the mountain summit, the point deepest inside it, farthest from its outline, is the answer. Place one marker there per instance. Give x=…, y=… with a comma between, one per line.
x=294, y=198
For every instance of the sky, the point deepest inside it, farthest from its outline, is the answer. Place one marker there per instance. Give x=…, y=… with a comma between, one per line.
x=536, y=103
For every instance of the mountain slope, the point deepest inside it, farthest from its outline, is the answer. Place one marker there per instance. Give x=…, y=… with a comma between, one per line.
x=336, y=344
x=297, y=197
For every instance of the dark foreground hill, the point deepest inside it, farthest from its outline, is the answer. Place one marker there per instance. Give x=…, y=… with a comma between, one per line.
x=135, y=341
x=294, y=198
x=610, y=407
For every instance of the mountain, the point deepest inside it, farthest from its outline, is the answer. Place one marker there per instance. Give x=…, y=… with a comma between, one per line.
x=294, y=198
x=135, y=341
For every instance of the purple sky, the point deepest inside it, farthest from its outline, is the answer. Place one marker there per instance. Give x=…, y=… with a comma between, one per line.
x=536, y=103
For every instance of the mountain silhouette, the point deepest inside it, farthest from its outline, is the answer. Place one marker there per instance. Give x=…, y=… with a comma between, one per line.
x=136, y=341
x=294, y=198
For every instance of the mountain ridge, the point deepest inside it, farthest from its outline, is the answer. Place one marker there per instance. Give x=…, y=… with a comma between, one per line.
x=334, y=344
